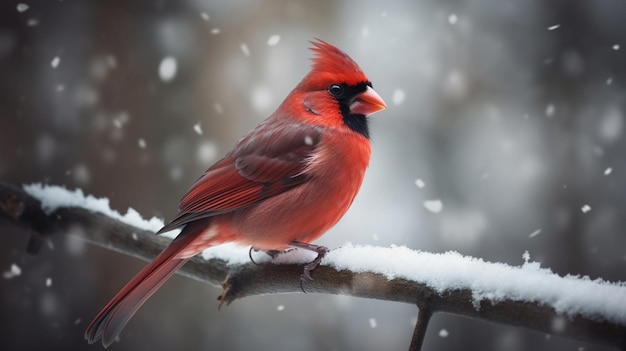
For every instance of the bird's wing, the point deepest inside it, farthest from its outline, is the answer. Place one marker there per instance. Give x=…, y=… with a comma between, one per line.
x=268, y=161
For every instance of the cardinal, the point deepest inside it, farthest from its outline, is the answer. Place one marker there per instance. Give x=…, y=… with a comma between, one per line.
x=282, y=186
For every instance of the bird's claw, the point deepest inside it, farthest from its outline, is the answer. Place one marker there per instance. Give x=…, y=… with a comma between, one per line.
x=309, y=267
x=270, y=253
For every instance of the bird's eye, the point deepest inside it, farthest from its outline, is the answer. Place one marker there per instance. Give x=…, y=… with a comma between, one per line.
x=336, y=90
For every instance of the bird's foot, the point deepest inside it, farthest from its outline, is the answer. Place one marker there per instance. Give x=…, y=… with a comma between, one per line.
x=309, y=267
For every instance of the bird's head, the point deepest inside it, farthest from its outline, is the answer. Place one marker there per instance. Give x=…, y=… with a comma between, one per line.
x=336, y=92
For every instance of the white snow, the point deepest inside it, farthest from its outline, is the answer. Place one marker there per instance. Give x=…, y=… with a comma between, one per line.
x=245, y=49
x=612, y=124
x=197, y=128
x=53, y=197
x=434, y=206
x=526, y=257
x=420, y=183
x=398, y=97
x=556, y=26
x=215, y=31
x=261, y=99
x=585, y=208
x=443, y=333
x=205, y=16
x=453, y=18
x=273, y=40
x=308, y=140
x=608, y=171
x=167, y=69
x=55, y=62
x=373, y=323
x=14, y=271
x=280, y=308
x=48, y=282
x=616, y=47
x=142, y=143
x=22, y=7
x=120, y=119
x=534, y=234
x=571, y=295
x=176, y=173
x=550, y=109
x=81, y=174
x=235, y=254
x=207, y=153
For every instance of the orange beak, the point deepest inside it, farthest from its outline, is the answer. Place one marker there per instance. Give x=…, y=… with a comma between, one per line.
x=367, y=103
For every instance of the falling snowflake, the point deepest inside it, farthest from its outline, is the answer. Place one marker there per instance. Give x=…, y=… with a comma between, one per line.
x=55, y=62
x=554, y=27
x=398, y=97
x=434, y=206
x=245, y=49
x=205, y=16
x=534, y=234
x=197, y=128
x=13, y=272
x=585, y=208
x=206, y=152
x=373, y=323
x=443, y=333
x=22, y=7
x=608, y=171
x=273, y=40
x=550, y=109
x=420, y=183
x=452, y=19
x=167, y=69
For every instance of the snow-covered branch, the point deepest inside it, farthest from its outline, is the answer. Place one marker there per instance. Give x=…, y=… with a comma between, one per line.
x=528, y=296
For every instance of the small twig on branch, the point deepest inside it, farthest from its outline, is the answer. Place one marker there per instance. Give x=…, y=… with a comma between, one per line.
x=240, y=281
x=419, y=334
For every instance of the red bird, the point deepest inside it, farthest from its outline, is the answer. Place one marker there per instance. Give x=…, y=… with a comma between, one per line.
x=283, y=185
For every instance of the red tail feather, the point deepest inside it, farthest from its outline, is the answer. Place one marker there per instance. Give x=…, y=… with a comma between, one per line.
x=111, y=320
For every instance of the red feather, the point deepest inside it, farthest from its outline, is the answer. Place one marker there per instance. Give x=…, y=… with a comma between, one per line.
x=284, y=184
x=111, y=320
x=268, y=161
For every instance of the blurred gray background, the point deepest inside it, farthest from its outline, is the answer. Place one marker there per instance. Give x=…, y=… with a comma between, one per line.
x=510, y=112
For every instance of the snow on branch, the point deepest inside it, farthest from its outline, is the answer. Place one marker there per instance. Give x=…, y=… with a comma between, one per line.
x=526, y=296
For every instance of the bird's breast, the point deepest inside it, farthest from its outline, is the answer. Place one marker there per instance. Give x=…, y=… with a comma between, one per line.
x=334, y=176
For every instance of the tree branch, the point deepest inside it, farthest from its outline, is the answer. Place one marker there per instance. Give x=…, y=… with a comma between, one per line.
x=240, y=281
